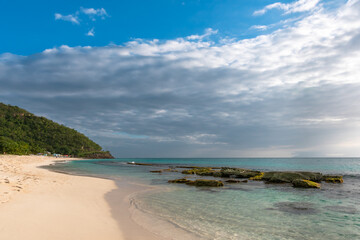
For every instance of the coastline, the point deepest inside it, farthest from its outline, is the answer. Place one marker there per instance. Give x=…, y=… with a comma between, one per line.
x=36, y=203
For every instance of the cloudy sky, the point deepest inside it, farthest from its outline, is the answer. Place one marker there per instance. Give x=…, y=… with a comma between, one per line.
x=190, y=78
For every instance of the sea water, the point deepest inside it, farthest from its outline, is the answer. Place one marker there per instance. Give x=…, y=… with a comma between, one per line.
x=252, y=210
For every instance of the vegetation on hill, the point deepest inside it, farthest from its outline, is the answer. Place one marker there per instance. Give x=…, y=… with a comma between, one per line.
x=22, y=132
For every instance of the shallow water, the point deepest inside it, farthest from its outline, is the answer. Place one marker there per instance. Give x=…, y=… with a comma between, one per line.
x=252, y=210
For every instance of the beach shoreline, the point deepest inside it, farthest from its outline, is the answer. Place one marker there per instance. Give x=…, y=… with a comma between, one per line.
x=36, y=203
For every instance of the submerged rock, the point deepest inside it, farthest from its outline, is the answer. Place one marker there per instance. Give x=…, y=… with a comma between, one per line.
x=199, y=182
x=296, y=207
x=236, y=181
x=206, y=183
x=232, y=181
x=301, y=183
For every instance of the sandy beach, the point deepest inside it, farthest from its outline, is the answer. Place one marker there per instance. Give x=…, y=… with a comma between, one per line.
x=39, y=204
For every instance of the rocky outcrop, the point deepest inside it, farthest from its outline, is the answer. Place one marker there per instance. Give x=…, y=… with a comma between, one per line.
x=199, y=182
x=202, y=171
x=181, y=180
x=301, y=183
x=236, y=181
x=297, y=178
x=289, y=177
x=206, y=183
x=237, y=172
x=333, y=179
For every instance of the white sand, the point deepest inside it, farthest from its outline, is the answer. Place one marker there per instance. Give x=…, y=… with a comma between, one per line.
x=39, y=204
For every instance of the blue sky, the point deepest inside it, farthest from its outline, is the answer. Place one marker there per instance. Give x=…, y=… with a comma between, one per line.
x=29, y=27
x=190, y=78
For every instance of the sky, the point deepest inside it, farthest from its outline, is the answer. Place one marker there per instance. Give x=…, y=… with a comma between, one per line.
x=178, y=78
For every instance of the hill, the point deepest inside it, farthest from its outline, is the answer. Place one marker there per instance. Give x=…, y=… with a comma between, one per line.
x=21, y=132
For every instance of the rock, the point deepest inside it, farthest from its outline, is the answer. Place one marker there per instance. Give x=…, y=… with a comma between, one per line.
x=199, y=171
x=156, y=171
x=238, y=172
x=199, y=182
x=333, y=178
x=235, y=181
x=301, y=183
x=232, y=181
x=216, y=174
x=206, y=183
x=257, y=177
x=169, y=170
x=289, y=177
x=181, y=180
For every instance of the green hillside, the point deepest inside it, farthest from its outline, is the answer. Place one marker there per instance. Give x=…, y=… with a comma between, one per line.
x=22, y=132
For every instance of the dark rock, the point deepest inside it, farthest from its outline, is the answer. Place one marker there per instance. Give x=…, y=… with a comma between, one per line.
x=199, y=182
x=232, y=181
x=181, y=180
x=289, y=177
x=206, y=183
x=238, y=172
x=236, y=181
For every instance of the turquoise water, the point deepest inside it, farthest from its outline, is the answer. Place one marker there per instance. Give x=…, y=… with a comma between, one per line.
x=252, y=210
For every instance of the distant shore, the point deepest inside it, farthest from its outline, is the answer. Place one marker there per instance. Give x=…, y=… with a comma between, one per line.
x=39, y=204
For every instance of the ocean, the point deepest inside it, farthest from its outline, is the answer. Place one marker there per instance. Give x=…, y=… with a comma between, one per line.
x=249, y=211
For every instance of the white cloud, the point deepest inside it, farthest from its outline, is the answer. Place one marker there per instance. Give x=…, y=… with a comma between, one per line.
x=69, y=18
x=77, y=17
x=259, y=27
x=91, y=32
x=291, y=92
x=208, y=32
x=297, y=6
x=92, y=12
